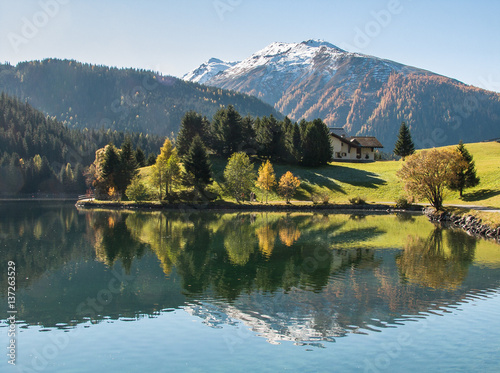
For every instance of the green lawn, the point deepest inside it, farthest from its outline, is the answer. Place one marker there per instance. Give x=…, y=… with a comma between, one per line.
x=377, y=181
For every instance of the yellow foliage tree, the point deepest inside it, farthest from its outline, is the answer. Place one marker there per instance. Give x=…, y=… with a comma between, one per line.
x=288, y=186
x=267, y=178
x=166, y=171
x=428, y=173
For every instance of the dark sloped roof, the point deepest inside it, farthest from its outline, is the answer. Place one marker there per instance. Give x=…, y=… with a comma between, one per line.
x=339, y=131
x=360, y=141
x=366, y=141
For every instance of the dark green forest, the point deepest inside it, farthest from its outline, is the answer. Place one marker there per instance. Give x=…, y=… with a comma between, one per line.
x=92, y=96
x=40, y=154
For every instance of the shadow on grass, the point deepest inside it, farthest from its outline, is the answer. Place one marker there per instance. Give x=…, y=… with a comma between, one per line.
x=481, y=194
x=328, y=176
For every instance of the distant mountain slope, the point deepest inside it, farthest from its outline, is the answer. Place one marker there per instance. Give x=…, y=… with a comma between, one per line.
x=366, y=94
x=91, y=96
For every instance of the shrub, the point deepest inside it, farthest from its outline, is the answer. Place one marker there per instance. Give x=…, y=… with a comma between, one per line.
x=137, y=191
x=315, y=198
x=323, y=198
x=357, y=200
x=403, y=203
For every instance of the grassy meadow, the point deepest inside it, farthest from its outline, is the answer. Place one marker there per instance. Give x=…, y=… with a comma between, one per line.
x=376, y=181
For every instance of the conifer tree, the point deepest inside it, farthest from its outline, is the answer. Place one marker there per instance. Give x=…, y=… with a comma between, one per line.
x=151, y=159
x=316, y=145
x=111, y=165
x=140, y=157
x=293, y=144
x=404, y=145
x=197, y=165
x=127, y=168
x=226, y=131
x=192, y=124
x=466, y=176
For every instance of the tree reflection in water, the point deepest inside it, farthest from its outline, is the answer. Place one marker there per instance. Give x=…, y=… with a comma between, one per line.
x=288, y=276
x=431, y=263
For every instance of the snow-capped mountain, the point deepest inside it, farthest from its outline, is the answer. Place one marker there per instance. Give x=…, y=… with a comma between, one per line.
x=279, y=68
x=365, y=94
x=208, y=70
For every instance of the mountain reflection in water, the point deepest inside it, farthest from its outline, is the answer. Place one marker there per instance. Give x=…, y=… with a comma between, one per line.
x=301, y=277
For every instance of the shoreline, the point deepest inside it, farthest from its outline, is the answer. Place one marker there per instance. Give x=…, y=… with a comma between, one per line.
x=468, y=223
x=246, y=207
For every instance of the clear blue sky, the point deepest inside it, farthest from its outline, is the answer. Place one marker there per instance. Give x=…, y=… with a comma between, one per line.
x=459, y=39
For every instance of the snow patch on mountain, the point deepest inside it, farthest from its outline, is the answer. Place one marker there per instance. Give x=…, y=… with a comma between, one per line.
x=208, y=70
x=288, y=58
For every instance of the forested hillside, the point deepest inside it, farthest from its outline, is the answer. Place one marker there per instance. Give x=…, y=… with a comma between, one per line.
x=91, y=96
x=40, y=154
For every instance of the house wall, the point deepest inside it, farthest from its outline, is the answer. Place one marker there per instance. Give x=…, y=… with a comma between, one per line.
x=344, y=152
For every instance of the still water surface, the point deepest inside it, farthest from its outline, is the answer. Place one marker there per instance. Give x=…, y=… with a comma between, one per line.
x=118, y=291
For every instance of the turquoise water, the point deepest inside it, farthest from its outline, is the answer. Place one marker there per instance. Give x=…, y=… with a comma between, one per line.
x=208, y=292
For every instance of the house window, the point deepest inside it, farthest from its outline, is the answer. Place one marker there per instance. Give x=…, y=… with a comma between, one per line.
x=337, y=155
x=367, y=156
x=344, y=154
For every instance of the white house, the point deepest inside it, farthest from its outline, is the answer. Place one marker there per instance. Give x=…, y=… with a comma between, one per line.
x=352, y=148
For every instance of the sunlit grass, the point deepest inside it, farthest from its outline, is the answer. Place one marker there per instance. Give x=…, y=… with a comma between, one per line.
x=374, y=182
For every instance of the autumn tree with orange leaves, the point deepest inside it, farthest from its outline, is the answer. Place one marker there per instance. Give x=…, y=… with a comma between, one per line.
x=288, y=186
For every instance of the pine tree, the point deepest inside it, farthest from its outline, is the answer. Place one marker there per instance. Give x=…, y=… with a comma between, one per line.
x=197, y=165
x=293, y=144
x=140, y=157
x=111, y=165
x=404, y=145
x=466, y=176
x=316, y=145
x=151, y=159
x=192, y=124
x=267, y=178
x=226, y=131
x=127, y=168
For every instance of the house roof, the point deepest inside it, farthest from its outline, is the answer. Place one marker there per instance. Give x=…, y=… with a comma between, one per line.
x=359, y=141
x=339, y=131
x=366, y=141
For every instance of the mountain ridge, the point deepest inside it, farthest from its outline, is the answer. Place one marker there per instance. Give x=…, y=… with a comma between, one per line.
x=315, y=78
x=95, y=96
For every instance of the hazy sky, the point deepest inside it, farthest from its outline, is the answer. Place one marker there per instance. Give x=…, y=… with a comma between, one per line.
x=459, y=39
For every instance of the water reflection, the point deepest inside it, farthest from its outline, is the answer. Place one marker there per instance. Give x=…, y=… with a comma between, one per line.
x=300, y=277
x=431, y=263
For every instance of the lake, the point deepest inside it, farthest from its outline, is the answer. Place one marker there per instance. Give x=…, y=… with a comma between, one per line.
x=203, y=291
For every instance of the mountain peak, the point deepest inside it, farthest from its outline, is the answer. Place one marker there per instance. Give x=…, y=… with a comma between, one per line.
x=208, y=70
x=321, y=43
x=214, y=60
